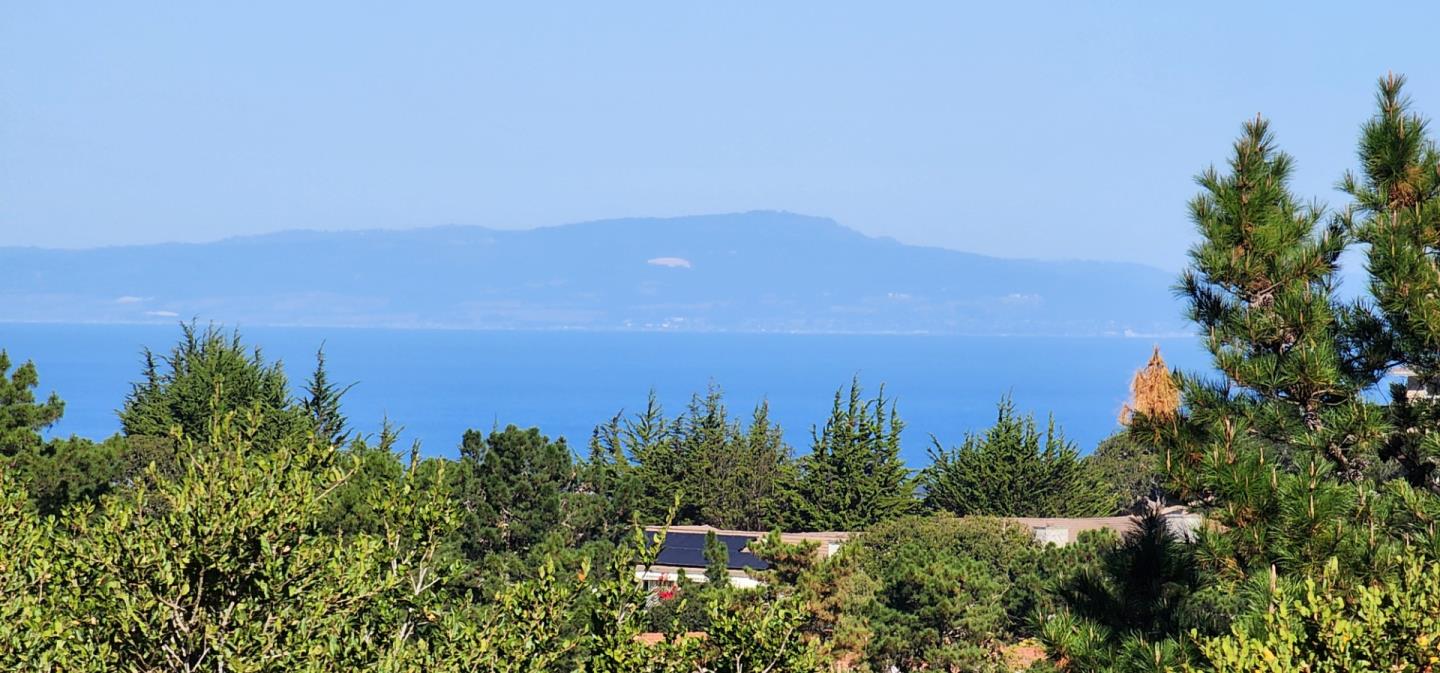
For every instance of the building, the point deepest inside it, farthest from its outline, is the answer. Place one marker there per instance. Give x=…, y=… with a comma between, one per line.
x=1416, y=388
x=1060, y=532
x=683, y=551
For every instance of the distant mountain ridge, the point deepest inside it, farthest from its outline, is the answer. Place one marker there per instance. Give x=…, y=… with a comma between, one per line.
x=757, y=271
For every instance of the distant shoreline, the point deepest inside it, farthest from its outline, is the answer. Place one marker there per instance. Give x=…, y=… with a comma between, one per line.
x=602, y=330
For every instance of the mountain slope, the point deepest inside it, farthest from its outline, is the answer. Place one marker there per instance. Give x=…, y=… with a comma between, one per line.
x=762, y=271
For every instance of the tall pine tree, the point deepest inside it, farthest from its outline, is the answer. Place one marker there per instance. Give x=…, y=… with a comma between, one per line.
x=1269, y=450
x=510, y=485
x=1280, y=455
x=1261, y=288
x=1397, y=212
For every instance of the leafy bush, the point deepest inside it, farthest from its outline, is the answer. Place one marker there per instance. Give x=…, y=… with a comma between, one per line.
x=1320, y=625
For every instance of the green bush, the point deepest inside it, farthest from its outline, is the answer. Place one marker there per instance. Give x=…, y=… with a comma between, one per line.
x=1320, y=625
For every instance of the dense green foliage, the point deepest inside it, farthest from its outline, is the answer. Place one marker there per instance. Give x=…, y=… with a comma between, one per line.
x=510, y=485
x=1012, y=470
x=1128, y=469
x=21, y=417
x=1305, y=482
x=234, y=563
x=206, y=375
x=725, y=473
x=853, y=476
x=236, y=527
x=1320, y=624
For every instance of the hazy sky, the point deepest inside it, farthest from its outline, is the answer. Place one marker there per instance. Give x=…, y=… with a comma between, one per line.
x=1055, y=130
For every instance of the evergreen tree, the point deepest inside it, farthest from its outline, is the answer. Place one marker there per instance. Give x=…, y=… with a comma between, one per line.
x=609, y=494
x=208, y=375
x=22, y=418
x=64, y=472
x=648, y=438
x=703, y=438
x=717, y=561
x=322, y=403
x=853, y=476
x=1012, y=470
x=1133, y=603
x=58, y=472
x=733, y=474
x=726, y=474
x=1281, y=454
x=1128, y=468
x=1270, y=454
x=510, y=486
x=1268, y=451
x=1397, y=212
x=1260, y=287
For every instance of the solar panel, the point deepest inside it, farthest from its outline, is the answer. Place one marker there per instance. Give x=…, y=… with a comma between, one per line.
x=688, y=549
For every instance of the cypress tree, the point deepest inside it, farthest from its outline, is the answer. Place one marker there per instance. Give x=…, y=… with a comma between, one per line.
x=703, y=440
x=322, y=403
x=853, y=476
x=733, y=477
x=717, y=561
x=726, y=474
x=207, y=375
x=1014, y=470
x=649, y=440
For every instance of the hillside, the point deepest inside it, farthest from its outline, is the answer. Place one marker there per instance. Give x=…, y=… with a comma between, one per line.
x=760, y=271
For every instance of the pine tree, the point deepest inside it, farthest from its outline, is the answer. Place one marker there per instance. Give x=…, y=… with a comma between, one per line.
x=1281, y=454
x=1012, y=470
x=1260, y=287
x=1397, y=212
x=853, y=476
x=510, y=487
x=22, y=419
x=1270, y=452
x=54, y=473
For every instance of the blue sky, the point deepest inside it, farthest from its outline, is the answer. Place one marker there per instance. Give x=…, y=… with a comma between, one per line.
x=1052, y=130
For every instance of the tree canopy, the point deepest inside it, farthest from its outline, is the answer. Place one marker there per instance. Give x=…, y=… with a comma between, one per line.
x=1015, y=470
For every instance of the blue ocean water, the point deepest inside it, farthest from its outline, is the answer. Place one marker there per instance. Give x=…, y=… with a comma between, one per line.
x=438, y=383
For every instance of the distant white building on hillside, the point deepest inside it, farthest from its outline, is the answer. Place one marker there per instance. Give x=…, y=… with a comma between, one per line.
x=1416, y=388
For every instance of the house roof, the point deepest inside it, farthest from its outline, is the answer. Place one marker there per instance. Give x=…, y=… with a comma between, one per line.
x=821, y=537
x=687, y=549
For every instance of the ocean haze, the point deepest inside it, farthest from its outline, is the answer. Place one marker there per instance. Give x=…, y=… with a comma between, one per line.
x=744, y=272
x=437, y=383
